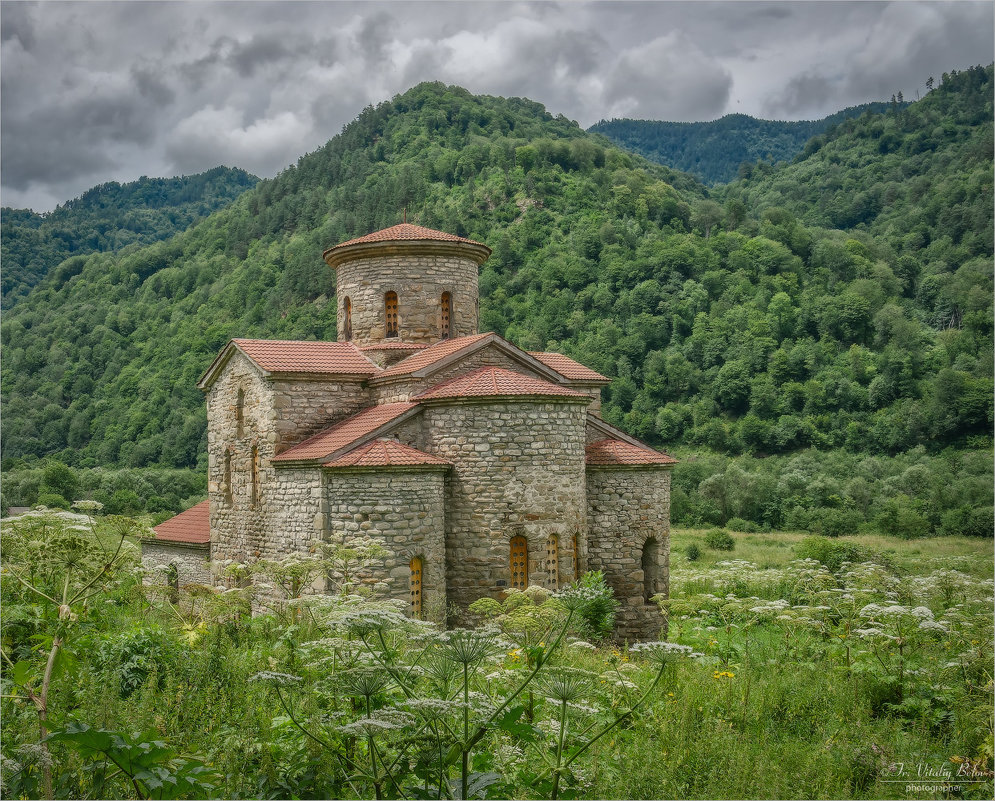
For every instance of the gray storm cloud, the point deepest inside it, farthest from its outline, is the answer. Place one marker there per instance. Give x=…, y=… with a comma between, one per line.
x=94, y=91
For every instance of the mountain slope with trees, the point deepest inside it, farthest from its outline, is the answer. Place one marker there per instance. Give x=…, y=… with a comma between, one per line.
x=108, y=217
x=721, y=327
x=715, y=151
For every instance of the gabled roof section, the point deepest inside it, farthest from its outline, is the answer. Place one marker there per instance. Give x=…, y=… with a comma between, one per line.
x=348, y=434
x=387, y=453
x=449, y=351
x=192, y=527
x=496, y=381
x=407, y=237
x=292, y=356
x=615, y=452
x=568, y=368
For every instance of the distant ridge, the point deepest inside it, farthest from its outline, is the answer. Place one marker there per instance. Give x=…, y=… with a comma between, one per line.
x=109, y=217
x=713, y=151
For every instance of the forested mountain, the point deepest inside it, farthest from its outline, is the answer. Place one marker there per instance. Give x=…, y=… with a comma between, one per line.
x=714, y=151
x=108, y=217
x=734, y=327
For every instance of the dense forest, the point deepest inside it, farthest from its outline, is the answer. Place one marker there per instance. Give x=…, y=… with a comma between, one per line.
x=714, y=152
x=843, y=301
x=108, y=217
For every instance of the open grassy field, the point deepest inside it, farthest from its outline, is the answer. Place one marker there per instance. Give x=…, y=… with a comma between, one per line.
x=794, y=667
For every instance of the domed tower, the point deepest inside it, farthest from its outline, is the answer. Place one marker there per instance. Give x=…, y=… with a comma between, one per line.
x=406, y=284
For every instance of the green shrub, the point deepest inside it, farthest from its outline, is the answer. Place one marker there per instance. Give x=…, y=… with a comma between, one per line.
x=693, y=552
x=598, y=614
x=968, y=522
x=839, y=522
x=134, y=655
x=52, y=500
x=833, y=553
x=719, y=540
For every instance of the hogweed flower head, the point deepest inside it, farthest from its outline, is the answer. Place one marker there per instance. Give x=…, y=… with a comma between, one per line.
x=664, y=653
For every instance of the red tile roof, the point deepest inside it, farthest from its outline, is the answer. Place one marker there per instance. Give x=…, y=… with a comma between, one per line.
x=417, y=237
x=192, y=526
x=343, y=434
x=386, y=453
x=617, y=452
x=407, y=232
x=485, y=381
x=319, y=358
x=567, y=367
x=431, y=355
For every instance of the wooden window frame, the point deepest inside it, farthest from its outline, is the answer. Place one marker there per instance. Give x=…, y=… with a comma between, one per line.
x=446, y=316
x=391, y=314
x=553, y=561
x=347, y=319
x=518, y=562
x=417, y=587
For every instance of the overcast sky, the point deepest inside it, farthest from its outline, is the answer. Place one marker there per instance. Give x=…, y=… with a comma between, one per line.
x=93, y=92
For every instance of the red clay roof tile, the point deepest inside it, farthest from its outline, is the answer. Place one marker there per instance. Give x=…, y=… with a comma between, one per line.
x=567, y=367
x=192, y=526
x=407, y=232
x=617, y=452
x=487, y=381
x=431, y=355
x=386, y=453
x=319, y=358
x=343, y=434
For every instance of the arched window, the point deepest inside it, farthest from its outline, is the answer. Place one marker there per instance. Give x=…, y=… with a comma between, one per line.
x=650, y=565
x=254, y=485
x=552, y=561
x=576, y=557
x=347, y=319
x=226, y=485
x=240, y=412
x=390, y=310
x=446, y=316
x=519, y=562
x=416, y=590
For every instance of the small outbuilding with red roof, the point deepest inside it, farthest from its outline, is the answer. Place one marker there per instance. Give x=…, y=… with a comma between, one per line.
x=478, y=467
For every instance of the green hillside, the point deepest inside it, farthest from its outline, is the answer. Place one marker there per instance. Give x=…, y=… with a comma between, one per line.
x=741, y=331
x=108, y=217
x=715, y=151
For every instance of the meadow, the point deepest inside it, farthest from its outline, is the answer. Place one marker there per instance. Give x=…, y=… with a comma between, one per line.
x=794, y=667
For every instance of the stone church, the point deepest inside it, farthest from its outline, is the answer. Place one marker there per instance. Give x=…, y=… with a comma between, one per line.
x=477, y=465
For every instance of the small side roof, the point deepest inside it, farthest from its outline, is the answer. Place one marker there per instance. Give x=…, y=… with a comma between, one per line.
x=293, y=356
x=496, y=381
x=387, y=453
x=345, y=435
x=615, y=452
x=192, y=527
x=568, y=368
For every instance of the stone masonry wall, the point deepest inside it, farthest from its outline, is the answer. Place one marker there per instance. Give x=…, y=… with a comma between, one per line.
x=403, y=509
x=419, y=281
x=281, y=510
x=626, y=507
x=191, y=562
x=303, y=407
x=488, y=356
x=518, y=470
